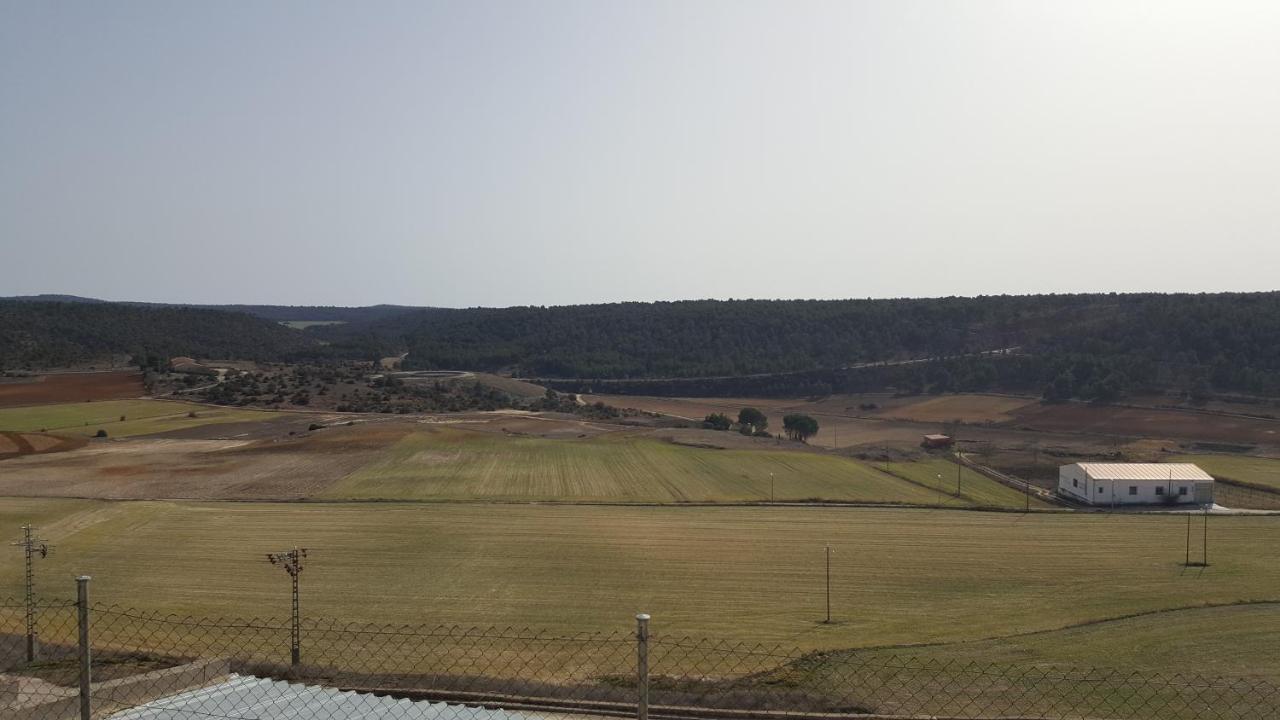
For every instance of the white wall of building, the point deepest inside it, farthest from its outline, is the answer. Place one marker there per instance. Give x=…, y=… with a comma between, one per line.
x=1073, y=482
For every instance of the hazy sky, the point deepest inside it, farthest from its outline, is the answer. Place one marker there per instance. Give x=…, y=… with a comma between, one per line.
x=476, y=153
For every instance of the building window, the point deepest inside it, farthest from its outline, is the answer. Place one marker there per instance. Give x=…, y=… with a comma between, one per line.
x=1133, y=489
x=1182, y=490
x=1075, y=482
x=1099, y=489
x=1159, y=489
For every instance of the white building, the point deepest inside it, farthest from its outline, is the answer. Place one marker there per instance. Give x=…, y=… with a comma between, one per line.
x=1110, y=484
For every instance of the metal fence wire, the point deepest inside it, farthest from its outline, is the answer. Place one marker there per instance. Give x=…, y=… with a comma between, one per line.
x=153, y=666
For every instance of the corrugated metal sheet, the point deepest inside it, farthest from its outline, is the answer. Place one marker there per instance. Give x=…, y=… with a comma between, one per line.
x=250, y=697
x=1146, y=471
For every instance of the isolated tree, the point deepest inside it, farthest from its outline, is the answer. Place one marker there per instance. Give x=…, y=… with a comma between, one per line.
x=751, y=418
x=717, y=421
x=799, y=427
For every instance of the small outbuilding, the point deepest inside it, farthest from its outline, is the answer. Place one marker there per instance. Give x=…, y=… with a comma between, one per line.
x=1108, y=484
x=937, y=441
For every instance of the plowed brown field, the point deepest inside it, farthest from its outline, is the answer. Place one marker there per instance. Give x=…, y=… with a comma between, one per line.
x=13, y=444
x=70, y=387
x=1149, y=422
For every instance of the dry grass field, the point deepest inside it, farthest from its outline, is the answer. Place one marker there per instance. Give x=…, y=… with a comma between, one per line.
x=70, y=387
x=967, y=408
x=141, y=417
x=1228, y=640
x=899, y=576
x=1149, y=422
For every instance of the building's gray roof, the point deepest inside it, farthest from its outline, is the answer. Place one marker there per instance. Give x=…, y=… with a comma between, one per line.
x=1145, y=471
x=255, y=698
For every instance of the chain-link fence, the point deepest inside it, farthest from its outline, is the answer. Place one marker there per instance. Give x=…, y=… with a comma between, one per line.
x=105, y=661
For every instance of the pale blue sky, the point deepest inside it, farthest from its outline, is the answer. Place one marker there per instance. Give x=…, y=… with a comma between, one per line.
x=478, y=153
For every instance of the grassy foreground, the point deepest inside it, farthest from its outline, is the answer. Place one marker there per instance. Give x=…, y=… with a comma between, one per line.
x=142, y=417
x=899, y=576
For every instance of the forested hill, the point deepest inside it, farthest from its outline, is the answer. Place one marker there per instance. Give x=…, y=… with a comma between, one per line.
x=1083, y=346
x=279, y=313
x=52, y=334
x=1089, y=345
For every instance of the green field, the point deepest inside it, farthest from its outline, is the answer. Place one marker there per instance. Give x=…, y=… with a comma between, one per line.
x=975, y=489
x=1263, y=472
x=451, y=464
x=142, y=417
x=741, y=573
x=304, y=324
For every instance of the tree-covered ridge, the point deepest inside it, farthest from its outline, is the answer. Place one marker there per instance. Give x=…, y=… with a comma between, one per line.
x=52, y=334
x=1091, y=346
x=700, y=338
x=1068, y=346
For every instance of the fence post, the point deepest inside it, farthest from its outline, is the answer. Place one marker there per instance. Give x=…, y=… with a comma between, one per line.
x=642, y=666
x=82, y=606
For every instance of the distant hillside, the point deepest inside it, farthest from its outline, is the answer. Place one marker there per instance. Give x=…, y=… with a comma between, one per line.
x=51, y=334
x=1097, y=347
x=1084, y=346
x=279, y=313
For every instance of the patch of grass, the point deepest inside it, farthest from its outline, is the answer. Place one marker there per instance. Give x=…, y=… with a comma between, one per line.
x=975, y=489
x=1209, y=640
x=739, y=573
x=142, y=417
x=1263, y=472
x=452, y=464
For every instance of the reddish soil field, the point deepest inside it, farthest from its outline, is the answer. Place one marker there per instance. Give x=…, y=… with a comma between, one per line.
x=13, y=444
x=1149, y=422
x=70, y=387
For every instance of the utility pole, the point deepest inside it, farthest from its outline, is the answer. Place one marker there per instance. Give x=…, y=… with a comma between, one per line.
x=291, y=561
x=959, y=469
x=30, y=547
x=1205, y=554
x=1188, y=560
x=771, y=496
x=828, y=584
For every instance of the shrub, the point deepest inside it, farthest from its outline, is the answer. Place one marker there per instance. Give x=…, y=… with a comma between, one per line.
x=101, y=433
x=717, y=421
